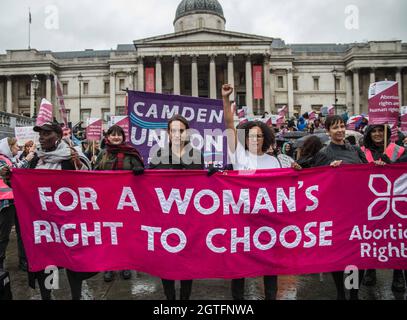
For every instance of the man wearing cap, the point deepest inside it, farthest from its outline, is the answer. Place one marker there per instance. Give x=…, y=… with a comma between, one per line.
x=55, y=154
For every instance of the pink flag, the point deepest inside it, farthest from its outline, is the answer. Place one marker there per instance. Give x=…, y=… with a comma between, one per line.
x=60, y=101
x=150, y=79
x=331, y=111
x=224, y=226
x=384, y=105
x=45, y=112
x=283, y=111
x=94, y=129
x=243, y=121
x=280, y=121
x=312, y=115
x=123, y=122
x=241, y=113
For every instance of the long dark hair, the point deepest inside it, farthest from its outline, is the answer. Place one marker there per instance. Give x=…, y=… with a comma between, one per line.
x=311, y=147
x=181, y=119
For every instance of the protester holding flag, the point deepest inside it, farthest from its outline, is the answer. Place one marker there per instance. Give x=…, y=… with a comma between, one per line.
x=374, y=149
x=250, y=154
x=179, y=155
x=118, y=155
x=335, y=154
x=55, y=154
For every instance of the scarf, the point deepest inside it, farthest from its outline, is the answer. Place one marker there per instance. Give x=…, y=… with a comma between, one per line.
x=52, y=159
x=120, y=151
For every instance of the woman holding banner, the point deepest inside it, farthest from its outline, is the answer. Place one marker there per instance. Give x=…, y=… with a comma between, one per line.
x=247, y=150
x=177, y=155
x=376, y=151
x=335, y=154
x=118, y=155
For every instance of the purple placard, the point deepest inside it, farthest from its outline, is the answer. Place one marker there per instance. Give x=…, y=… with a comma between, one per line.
x=149, y=114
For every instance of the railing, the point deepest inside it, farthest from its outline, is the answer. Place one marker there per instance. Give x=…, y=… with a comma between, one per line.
x=11, y=120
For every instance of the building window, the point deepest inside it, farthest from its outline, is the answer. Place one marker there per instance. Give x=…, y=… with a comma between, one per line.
x=280, y=82
x=121, y=111
x=297, y=111
x=86, y=88
x=316, y=107
x=316, y=84
x=121, y=84
x=106, y=115
x=106, y=87
x=295, y=84
x=338, y=83
x=28, y=89
x=85, y=114
x=65, y=88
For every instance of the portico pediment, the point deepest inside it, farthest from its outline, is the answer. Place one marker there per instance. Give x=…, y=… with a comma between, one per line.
x=202, y=36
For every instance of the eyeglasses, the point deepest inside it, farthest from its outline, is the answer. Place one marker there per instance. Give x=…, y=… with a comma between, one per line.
x=256, y=136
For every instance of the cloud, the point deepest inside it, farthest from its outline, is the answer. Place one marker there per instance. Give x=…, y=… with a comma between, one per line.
x=92, y=24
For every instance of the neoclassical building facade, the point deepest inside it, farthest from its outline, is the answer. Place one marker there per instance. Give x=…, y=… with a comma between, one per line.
x=196, y=60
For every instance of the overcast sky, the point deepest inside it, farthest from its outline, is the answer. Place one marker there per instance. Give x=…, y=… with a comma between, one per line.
x=94, y=24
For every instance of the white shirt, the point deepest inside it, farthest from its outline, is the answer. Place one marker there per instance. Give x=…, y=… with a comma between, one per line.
x=244, y=160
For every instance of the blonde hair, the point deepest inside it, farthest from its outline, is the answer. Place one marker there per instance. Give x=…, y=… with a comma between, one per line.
x=11, y=141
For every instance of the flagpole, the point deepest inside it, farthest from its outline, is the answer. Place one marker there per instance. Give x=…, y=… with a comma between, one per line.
x=29, y=28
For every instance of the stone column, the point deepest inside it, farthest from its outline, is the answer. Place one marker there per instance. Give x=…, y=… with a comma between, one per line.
x=273, y=92
x=9, y=105
x=177, y=79
x=231, y=76
x=290, y=86
x=356, y=97
x=112, y=93
x=349, y=92
x=212, y=77
x=140, y=74
x=31, y=100
x=48, y=93
x=249, y=86
x=130, y=79
x=372, y=75
x=267, y=84
x=158, y=75
x=194, y=76
x=399, y=79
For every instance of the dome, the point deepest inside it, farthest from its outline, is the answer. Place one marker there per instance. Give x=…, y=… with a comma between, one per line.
x=187, y=7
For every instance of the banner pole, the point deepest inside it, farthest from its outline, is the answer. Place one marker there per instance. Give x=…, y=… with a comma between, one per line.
x=385, y=138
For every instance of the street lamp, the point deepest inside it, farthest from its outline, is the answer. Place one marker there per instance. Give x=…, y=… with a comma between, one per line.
x=35, y=84
x=335, y=72
x=80, y=79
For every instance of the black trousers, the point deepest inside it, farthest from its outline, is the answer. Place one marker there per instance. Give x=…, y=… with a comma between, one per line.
x=270, y=288
x=169, y=289
x=8, y=218
x=340, y=285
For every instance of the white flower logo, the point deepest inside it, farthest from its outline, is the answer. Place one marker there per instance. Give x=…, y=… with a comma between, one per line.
x=395, y=199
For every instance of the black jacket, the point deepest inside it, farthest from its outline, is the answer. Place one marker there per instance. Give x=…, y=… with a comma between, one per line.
x=164, y=159
x=347, y=153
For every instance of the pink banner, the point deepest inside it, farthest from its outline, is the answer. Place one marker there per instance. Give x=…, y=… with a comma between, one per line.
x=150, y=79
x=60, y=101
x=283, y=111
x=45, y=112
x=186, y=225
x=258, y=82
x=94, y=130
x=384, y=105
